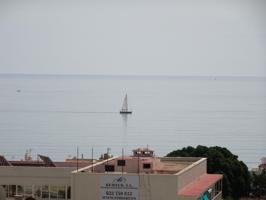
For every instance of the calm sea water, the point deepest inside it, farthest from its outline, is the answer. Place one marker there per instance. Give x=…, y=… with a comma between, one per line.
x=52, y=115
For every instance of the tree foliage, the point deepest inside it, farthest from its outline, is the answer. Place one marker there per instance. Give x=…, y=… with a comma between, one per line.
x=258, y=186
x=236, y=177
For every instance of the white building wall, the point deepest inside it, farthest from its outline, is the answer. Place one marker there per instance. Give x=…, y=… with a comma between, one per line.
x=151, y=186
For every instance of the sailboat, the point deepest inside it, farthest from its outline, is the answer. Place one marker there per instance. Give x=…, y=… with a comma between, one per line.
x=124, y=109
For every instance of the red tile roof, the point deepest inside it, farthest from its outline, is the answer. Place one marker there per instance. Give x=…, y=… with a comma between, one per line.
x=29, y=163
x=200, y=185
x=33, y=163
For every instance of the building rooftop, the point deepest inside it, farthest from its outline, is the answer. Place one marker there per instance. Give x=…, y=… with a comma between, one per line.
x=45, y=161
x=141, y=164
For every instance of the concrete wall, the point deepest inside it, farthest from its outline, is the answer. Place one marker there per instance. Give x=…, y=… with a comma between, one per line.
x=151, y=186
x=2, y=193
x=85, y=186
x=191, y=173
x=160, y=187
x=34, y=175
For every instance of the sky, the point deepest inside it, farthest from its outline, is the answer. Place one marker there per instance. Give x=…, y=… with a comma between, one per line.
x=134, y=37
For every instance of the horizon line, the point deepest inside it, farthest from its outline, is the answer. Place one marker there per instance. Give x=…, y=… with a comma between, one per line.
x=133, y=75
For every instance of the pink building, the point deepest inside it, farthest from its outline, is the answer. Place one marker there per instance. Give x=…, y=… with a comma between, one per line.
x=141, y=176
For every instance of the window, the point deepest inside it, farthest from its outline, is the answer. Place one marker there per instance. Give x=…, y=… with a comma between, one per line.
x=68, y=192
x=20, y=190
x=53, y=192
x=45, y=192
x=11, y=190
x=121, y=163
x=3, y=189
x=109, y=168
x=37, y=191
x=28, y=190
x=146, y=165
x=61, y=192
x=218, y=187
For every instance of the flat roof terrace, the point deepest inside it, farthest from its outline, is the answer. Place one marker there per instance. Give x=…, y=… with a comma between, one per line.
x=138, y=164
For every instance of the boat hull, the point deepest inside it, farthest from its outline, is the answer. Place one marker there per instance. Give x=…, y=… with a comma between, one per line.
x=125, y=112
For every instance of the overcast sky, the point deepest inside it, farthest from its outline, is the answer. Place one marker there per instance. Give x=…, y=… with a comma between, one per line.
x=134, y=37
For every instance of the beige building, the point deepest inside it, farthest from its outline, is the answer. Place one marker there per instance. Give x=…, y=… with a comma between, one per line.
x=141, y=176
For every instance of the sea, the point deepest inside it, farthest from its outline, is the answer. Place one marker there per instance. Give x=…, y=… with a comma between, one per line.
x=64, y=115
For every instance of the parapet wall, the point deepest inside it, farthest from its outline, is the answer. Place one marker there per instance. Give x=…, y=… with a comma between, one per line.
x=191, y=173
x=150, y=186
x=34, y=175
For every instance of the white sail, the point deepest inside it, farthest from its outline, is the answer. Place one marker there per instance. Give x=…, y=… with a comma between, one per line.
x=125, y=106
x=124, y=109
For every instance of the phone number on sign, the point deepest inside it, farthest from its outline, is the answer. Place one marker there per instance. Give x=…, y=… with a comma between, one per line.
x=118, y=193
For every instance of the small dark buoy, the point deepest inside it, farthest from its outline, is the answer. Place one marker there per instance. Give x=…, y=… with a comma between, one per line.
x=18, y=90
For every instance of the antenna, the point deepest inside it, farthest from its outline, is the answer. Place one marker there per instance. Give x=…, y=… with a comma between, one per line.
x=138, y=162
x=92, y=159
x=107, y=161
x=123, y=160
x=108, y=150
x=77, y=159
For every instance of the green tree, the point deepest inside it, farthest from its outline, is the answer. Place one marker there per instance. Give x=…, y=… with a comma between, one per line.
x=236, y=177
x=258, y=185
